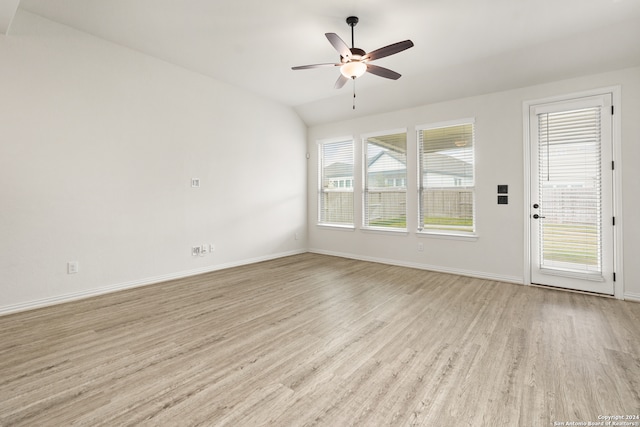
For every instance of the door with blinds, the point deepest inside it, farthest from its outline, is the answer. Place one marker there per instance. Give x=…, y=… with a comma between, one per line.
x=571, y=210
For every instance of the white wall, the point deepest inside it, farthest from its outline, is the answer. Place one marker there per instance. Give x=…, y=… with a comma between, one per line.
x=98, y=144
x=498, y=252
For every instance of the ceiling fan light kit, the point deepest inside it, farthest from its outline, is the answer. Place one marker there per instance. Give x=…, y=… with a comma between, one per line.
x=354, y=62
x=353, y=69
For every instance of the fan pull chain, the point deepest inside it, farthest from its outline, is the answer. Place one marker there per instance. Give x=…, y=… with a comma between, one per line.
x=354, y=92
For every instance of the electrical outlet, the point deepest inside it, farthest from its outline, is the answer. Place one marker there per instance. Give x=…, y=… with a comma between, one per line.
x=420, y=247
x=73, y=267
x=195, y=182
x=297, y=236
x=195, y=250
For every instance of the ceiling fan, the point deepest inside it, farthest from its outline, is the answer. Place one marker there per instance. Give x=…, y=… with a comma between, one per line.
x=354, y=62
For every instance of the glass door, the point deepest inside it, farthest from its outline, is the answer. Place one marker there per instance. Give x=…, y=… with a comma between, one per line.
x=571, y=194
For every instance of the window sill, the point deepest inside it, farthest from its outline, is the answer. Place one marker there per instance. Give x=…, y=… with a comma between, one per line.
x=449, y=236
x=397, y=231
x=337, y=227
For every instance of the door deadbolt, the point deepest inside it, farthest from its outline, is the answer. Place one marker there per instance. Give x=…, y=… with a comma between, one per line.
x=536, y=206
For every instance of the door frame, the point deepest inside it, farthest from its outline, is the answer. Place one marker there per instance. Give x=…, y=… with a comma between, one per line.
x=617, y=179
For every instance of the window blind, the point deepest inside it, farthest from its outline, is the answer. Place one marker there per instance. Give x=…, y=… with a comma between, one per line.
x=446, y=178
x=385, y=189
x=569, y=179
x=335, y=192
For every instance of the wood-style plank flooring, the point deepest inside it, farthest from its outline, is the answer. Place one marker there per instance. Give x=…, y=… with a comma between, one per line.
x=319, y=340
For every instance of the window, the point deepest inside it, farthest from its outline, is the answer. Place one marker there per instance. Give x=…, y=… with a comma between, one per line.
x=570, y=190
x=385, y=190
x=335, y=193
x=446, y=178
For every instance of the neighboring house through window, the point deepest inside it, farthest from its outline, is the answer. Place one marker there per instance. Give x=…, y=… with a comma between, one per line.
x=385, y=180
x=335, y=193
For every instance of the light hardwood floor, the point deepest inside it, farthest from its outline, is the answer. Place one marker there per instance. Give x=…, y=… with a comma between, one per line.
x=319, y=340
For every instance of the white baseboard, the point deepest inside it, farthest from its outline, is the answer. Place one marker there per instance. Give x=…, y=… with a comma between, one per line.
x=632, y=297
x=438, y=269
x=59, y=299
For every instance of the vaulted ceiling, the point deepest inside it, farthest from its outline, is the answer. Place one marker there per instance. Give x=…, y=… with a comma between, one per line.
x=462, y=47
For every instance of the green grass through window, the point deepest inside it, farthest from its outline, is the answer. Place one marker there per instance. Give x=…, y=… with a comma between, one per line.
x=573, y=243
x=440, y=222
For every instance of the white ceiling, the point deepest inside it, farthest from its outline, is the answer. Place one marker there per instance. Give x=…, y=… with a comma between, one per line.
x=7, y=12
x=462, y=47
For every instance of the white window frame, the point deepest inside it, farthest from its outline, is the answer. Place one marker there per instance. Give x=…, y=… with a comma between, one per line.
x=453, y=234
x=365, y=166
x=321, y=190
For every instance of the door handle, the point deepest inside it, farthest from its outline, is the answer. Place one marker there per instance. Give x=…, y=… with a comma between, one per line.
x=536, y=216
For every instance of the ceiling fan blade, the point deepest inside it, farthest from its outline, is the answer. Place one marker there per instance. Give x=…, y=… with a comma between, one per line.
x=340, y=82
x=383, y=72
x=338, y=44
x=388, y=50
x=306, y=67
